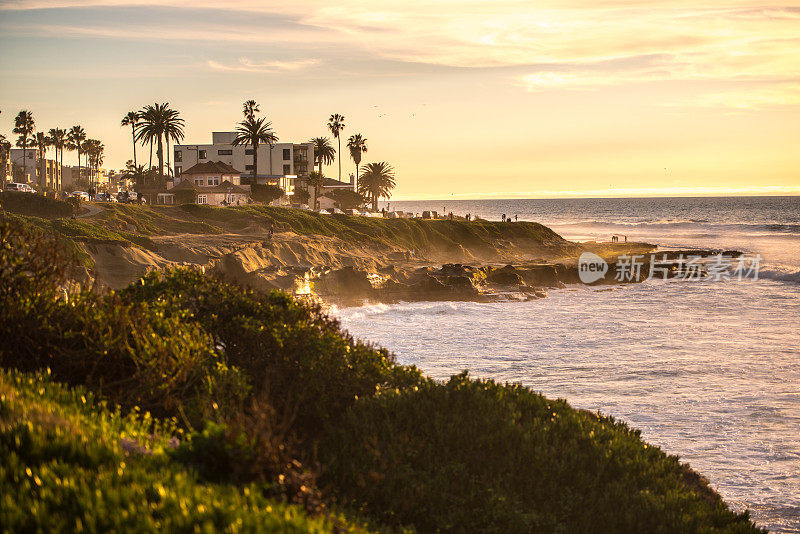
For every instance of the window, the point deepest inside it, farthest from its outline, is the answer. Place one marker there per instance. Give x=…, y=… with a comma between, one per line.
x=224, y=152
x=249, y=152
x=304, y=154
x=178, y=155
x=287, y=169
x=213, y=180
x=201, y=199
x=248, y=167
x=199, y=181
x=178, y=170
x=202, y=154
x=287, y=154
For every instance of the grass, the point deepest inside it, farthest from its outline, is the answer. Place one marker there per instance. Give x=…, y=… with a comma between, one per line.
x=72, y=463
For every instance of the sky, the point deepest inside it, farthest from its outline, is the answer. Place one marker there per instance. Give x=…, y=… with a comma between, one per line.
x=465, y=99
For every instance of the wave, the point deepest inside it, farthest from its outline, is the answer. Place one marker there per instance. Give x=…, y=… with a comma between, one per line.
x=779, y=273
x=769, y=228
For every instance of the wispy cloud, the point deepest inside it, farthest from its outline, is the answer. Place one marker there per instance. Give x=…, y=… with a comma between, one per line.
x=246, y=65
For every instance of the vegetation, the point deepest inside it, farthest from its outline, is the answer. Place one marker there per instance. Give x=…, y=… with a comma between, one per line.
x=346, y=198
x=253, y=132
x=357, y=145
x=336, y=125
x=324, y=153
x=75, y=138
x=35, y=205
x=270, y=400
x=24, y=126
x=317, y=181
x=72, y=462
x=159, y=124
x=265, y=193
x=376, y=182
x=131, y=119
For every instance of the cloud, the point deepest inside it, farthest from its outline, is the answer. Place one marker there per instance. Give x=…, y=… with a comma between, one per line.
x=246, y=65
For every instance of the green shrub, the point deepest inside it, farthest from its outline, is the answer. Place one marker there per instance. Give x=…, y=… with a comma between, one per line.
x=71, y=464
x=35, y=205
x=476, y=456
x=309, y=370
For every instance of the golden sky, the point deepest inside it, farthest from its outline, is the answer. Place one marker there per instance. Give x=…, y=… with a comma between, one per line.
x=466, y=99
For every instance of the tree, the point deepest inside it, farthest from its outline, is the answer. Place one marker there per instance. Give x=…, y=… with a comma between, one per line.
x=323, y=151
x=5, y=153
x=75, y=139
x=317, y=181
x=94, y=154
x=59, y=138
x=376, y=182
x=265, y=193
x=131, y=119
x=253, y=132
x=357, y=145
x=24, y=126
x=42, y=142
x=336, y=125
x=301, y=195
x=249, y=109
x=157, y=124
x=346, y=199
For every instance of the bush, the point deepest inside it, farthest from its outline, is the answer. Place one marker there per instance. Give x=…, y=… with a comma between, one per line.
x=35, y=205
x=71, y=463
x=477, y=456
x=309, y=370
x=265, y=193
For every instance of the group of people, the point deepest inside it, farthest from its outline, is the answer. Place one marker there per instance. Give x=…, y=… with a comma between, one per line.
x=508, y=219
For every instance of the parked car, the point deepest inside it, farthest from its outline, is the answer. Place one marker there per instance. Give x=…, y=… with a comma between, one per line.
x=22, y=188
x=126, y=196
x=83, y=195
x=105, y=197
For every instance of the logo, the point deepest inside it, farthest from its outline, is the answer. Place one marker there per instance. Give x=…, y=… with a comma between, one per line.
x=591, y=267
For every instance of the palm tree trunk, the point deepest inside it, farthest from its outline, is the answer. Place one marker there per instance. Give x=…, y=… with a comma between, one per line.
x=355, y=185
x=374, y=202
x=133, y=134
x=255, y=162
x=24, y=157
x=160, y=155
x=79, y=162
x=340, y=157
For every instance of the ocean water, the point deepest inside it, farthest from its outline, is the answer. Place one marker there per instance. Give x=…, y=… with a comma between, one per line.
x=708, y=370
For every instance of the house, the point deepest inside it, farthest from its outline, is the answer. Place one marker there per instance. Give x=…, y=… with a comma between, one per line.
x=279, y=160
x=28, y=167
x=212, y=182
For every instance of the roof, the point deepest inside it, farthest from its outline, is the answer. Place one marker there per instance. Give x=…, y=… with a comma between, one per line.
x=211, y=167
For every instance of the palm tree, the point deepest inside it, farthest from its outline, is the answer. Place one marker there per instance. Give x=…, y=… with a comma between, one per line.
x=24, y=126
x=316, y=180
x=5, y=154
x=357, y=145
x=75, y=139
x=249, y=109
x=376, y=182
x=158, y=123
x=252, y=131
x=336, y=125
x=323, y=151
x=41, y=142
x=131, y=119
x=94, y=154
x=59, y=138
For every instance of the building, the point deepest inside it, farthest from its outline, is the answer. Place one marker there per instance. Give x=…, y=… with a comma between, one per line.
x=211, y=182
x=28, y=168
x=287, y=159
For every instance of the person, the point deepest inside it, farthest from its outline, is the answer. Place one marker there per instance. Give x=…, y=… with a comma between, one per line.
x=271, y=230
x=139, y=198
x=516, y=217
x=504, y=217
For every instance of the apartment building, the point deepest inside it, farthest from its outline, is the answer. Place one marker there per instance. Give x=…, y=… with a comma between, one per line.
x=282, y=159
x=27, y=167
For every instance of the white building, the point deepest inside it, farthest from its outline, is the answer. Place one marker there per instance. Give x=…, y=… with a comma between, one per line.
x=287, y=159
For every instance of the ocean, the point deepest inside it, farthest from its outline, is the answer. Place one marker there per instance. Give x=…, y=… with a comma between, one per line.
x=708, y=370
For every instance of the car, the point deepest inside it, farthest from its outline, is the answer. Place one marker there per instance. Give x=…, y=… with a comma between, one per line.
x=22, y=188
x=105, y=197
x=125, y=196
x=83, y=195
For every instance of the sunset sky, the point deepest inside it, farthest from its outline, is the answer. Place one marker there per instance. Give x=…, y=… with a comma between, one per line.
x=466, y=99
